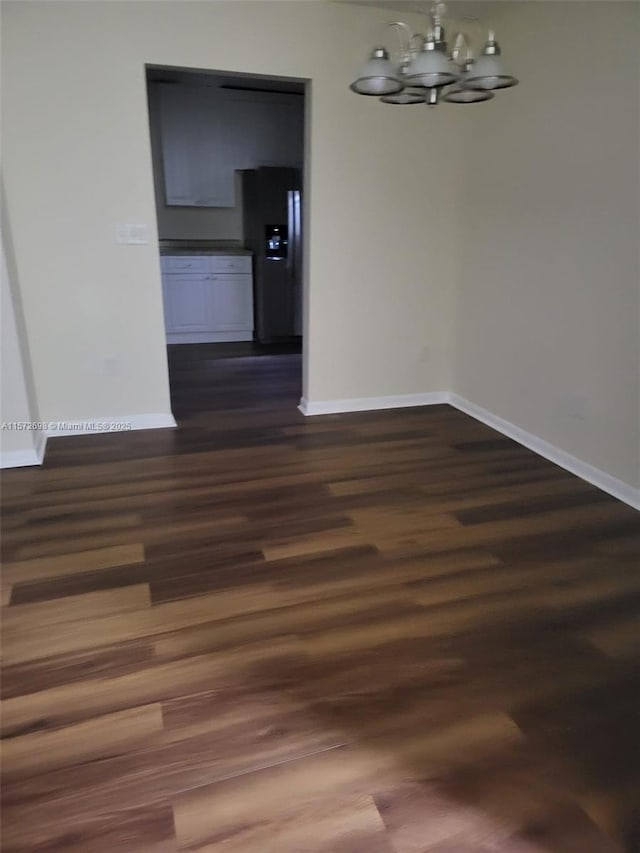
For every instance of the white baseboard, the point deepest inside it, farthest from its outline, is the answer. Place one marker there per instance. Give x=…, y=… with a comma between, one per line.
x=19, y=458
x=93, y=426
x=28, y=456
x=90, y=426
x=613, y=486
x=369, y=404
x=208, y=337
x=40, y=445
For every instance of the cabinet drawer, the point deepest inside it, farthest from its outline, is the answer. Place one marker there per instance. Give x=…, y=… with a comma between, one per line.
x=184, y=263
x=230, y=264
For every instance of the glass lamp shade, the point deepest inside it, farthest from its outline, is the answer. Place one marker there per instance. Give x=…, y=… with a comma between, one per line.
x=431, y=68
x=377, y=76
x=407, y=96
x=467, y=96
x=487, y=72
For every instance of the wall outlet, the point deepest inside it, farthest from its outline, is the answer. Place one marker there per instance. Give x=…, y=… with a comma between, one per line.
x=132, y=233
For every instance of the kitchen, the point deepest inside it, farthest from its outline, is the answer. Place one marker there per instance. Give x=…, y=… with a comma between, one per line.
x=227, y=157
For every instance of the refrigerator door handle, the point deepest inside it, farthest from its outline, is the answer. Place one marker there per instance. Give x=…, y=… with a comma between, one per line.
x=294, y=258
x=291, y=246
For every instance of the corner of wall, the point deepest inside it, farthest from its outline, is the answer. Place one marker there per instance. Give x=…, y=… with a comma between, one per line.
x=22, y=440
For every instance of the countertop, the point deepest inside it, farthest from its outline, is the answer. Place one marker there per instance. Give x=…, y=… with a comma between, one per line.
x=201, y=247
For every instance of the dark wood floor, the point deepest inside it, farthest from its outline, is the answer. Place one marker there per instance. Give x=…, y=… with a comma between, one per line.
x=387, y=632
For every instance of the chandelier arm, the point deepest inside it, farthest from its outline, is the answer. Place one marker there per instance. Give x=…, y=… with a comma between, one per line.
x=405, y=37
x=461, y=51
x=436, y=13
x=478, y=31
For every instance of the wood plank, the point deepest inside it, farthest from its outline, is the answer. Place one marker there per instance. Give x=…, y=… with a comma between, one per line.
x=148, y=534
x=298, y=619
x=577, y=519
x=55, y=671
x=342, y=771
x=99, y=737
x=148, y=829
x=66, y=528
x=340, y=825
x=90, y=605
x=23, y=571
x=315, y=543
x=70, y=703
x=23, y=642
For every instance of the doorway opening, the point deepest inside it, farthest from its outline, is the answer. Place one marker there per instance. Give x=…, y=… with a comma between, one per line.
x=228, y=164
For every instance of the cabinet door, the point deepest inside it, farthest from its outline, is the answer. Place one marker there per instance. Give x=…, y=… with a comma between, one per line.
x=187, y=303
x=295, y=134
x=207, y=134
x=232, y=303
x=278, y=142
x=212, y=158
x=242, y=129
x=177, y=131
x=195, y=148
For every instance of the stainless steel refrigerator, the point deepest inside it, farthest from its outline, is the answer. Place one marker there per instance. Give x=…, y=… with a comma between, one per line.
x=272, y=214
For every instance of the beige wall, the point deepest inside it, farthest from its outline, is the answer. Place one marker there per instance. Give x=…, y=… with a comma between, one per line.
x=547, y=330
x=381, y=209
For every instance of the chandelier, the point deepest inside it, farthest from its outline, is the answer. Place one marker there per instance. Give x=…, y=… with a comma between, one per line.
x=426, y=68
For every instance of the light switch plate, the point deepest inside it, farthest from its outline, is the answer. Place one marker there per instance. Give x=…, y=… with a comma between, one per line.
x=132, y=233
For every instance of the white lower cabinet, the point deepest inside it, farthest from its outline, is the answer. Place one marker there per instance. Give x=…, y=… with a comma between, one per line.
x=207, y=306
x=187, y=303
x=232, y=300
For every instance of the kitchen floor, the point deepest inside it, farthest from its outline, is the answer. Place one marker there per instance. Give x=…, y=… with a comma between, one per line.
x=384, y=632
x=210, y=377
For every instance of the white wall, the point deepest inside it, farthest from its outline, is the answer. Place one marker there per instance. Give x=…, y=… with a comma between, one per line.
x=24, y=445
x=547, y=331
x=381, y=211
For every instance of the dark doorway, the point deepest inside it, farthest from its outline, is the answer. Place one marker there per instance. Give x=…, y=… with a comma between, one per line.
x=228, y=154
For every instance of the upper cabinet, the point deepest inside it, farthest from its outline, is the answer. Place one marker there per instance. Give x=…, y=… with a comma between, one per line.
x=207, y=133
x=194, y=148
